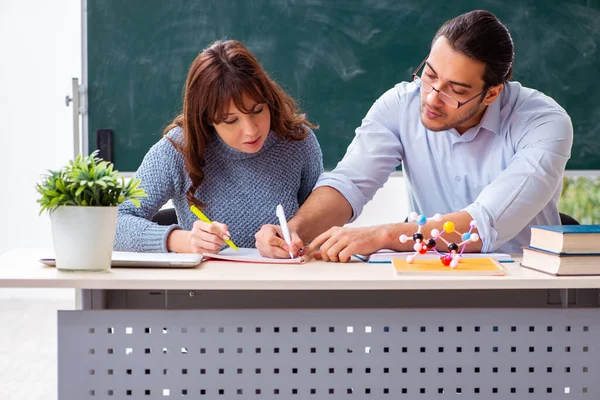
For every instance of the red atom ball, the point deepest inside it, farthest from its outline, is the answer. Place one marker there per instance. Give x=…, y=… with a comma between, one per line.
x=446, y=260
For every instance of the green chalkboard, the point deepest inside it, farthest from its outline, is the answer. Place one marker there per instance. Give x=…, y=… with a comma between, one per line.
x=334, y=57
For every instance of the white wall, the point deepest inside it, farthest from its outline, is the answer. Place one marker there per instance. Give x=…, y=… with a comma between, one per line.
x=40, y=43
x=390, y=204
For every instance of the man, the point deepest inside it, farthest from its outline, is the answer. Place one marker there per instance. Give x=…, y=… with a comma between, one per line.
x=473, y=146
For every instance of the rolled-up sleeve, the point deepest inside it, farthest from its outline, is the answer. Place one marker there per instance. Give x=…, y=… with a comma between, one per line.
x=372, y=156
x=532, y=177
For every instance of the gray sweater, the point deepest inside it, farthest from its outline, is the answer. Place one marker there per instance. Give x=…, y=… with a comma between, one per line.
x=239, y=189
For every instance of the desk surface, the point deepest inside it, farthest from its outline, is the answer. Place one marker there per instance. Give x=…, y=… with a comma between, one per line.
x=21, y=268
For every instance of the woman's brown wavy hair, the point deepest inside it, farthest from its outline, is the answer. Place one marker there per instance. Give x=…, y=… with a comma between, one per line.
x=222, y=72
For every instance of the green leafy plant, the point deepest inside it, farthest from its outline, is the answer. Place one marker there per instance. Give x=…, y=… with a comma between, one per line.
x=87, y=181
x=580, y=199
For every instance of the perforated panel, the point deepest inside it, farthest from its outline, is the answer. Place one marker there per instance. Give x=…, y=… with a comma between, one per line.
x=330, y=354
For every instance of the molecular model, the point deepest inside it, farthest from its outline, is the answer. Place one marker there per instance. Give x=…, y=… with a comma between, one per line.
x=422, y=246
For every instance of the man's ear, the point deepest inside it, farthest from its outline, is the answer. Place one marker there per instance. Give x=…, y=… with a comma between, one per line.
x=492, y=94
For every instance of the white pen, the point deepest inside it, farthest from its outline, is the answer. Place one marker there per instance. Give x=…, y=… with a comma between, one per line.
x=284, y=228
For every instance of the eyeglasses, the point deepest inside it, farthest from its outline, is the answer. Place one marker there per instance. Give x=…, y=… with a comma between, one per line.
x=445, y=97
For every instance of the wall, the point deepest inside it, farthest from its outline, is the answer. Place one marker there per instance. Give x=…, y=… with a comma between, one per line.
x=40, y=42
x=389, y=204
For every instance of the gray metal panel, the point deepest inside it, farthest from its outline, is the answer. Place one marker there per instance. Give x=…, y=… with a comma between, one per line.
x=331, y=354
x=90, y=299
x=227, y=299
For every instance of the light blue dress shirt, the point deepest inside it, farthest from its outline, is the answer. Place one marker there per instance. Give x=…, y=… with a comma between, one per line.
x=506, y=172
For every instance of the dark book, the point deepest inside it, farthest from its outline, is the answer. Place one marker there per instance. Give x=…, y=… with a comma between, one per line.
x=566, y=238
x=561, y=263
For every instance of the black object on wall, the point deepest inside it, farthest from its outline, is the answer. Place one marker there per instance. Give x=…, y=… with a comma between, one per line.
x=104, y=144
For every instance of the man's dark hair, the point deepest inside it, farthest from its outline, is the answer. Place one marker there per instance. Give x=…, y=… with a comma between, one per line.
x=480, y=35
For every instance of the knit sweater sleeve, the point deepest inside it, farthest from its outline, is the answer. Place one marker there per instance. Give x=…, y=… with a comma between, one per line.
x=159, y=174
x=312, y=168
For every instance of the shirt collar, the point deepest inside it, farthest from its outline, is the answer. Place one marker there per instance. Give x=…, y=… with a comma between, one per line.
x=490, y=121
x=491, y=117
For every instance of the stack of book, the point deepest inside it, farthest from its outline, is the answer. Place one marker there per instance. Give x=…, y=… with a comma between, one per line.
x=564, y=249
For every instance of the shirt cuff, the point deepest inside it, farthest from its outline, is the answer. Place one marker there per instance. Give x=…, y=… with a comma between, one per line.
x=348, y=189
x=155, y=238
x=487, y=234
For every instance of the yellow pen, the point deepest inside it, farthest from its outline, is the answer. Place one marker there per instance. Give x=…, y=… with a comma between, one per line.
x=204, y=218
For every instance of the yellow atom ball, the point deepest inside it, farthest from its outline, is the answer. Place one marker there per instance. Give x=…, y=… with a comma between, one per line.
x=449, y=227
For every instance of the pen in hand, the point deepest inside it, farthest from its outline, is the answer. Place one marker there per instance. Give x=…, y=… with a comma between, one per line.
x=284, y=228
x=204, y=218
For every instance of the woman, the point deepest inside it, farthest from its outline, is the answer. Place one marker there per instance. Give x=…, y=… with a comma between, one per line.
x=239, y=148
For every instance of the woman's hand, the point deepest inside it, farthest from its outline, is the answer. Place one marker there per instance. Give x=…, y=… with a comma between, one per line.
x=270, y=243
x=203, y=238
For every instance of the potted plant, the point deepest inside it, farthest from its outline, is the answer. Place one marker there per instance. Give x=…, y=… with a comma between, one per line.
x=81, y=199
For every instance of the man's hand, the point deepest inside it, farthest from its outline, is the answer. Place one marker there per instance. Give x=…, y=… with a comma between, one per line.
x=270, y=243
x=339, y=244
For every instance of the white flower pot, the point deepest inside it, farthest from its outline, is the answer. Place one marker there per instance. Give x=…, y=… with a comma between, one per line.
x=83, y=237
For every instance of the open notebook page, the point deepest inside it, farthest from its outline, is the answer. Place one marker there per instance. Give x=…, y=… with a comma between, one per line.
x=252, y=255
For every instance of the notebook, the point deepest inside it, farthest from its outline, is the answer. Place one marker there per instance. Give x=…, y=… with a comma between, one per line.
x=252, y=256
x=146, y=260
x=483, y=266
x=386, y=256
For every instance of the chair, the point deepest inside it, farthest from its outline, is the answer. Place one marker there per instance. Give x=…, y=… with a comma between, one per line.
x=166, y=216
x=567, y=220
